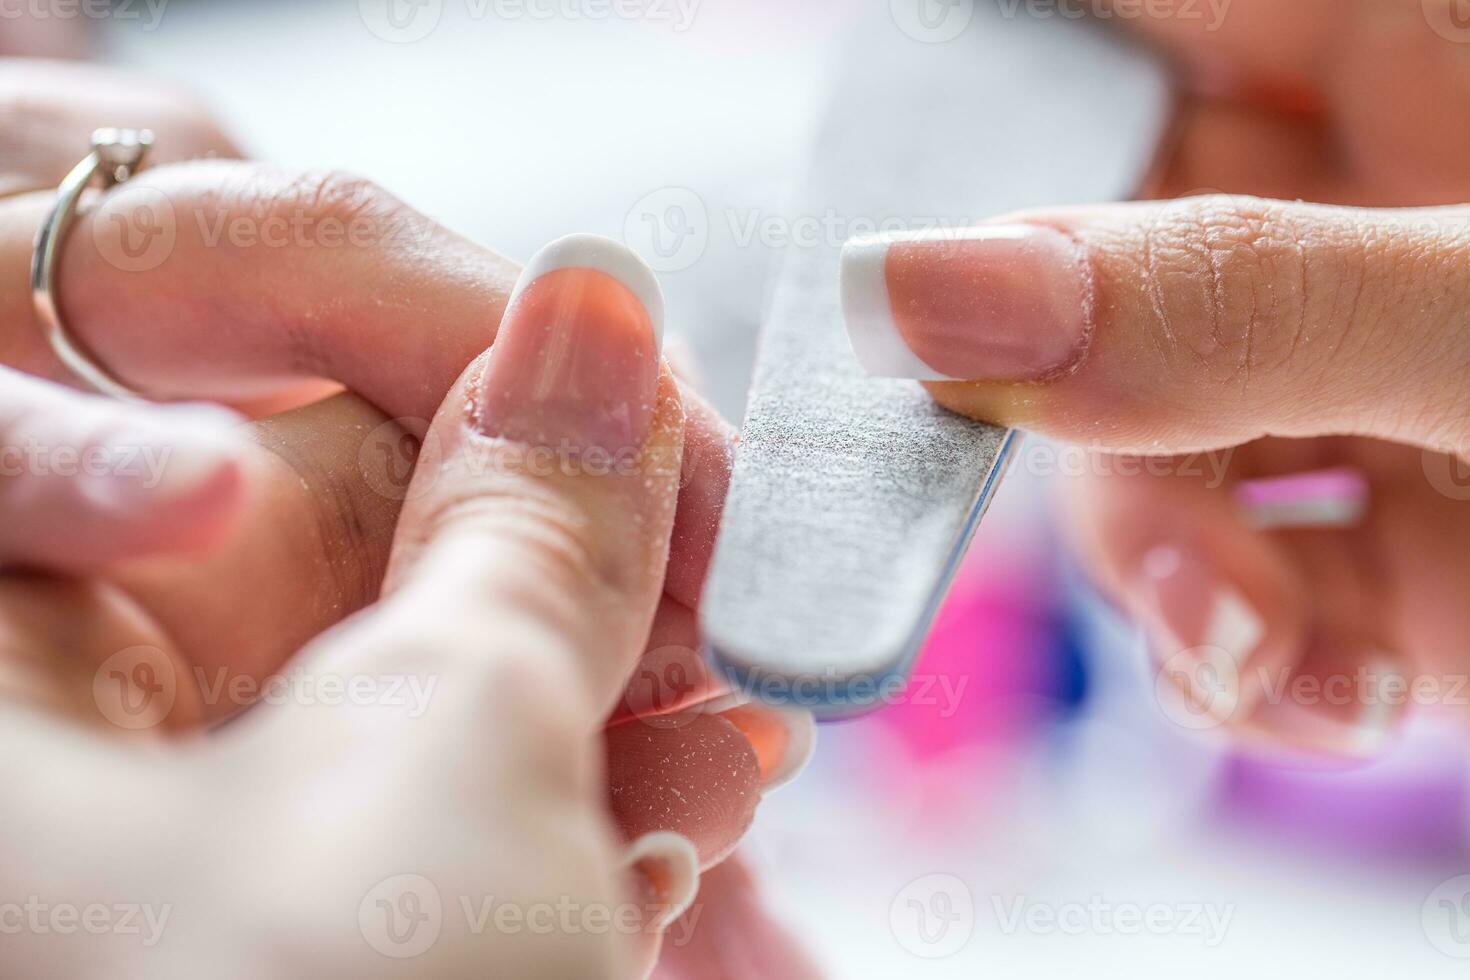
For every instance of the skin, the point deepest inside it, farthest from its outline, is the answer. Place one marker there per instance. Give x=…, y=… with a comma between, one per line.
x=350, y=570
x=1330, y=337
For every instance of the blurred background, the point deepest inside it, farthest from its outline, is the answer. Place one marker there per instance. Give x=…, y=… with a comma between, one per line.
x=1032, y=808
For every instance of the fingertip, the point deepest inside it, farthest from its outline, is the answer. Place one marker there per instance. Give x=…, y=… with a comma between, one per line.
x=783, y=740
x=694, y=774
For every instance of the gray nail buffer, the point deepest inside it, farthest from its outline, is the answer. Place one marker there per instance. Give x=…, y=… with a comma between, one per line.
x=853, y=499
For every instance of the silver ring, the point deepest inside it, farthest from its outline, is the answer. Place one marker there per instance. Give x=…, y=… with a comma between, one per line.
x=117, y=154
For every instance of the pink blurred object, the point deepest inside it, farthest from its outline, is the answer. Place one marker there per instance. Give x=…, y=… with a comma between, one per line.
x=1324, y=498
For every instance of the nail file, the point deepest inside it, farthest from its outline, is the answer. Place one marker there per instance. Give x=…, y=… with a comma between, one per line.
x=852, y=498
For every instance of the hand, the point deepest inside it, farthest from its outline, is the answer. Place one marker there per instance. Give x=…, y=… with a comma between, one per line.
x=1278, y=338
x=312, y=530
x=523, y=593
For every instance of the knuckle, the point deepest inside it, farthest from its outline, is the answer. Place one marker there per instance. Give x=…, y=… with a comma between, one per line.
x=1236, y=284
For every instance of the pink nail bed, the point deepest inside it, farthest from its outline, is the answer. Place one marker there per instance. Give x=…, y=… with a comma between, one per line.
x=1323, y=498
x=999, y=302
x=576, y=358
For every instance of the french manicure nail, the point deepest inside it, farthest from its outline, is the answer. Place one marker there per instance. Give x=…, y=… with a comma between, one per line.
x=993, y=303
x=783, y=739
x=575, y=362
x=665, y=869
x=1192, y=615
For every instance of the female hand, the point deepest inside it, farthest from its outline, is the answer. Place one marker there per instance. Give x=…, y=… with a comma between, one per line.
x=1278, y=338
x=322, y=485
x=353, y=835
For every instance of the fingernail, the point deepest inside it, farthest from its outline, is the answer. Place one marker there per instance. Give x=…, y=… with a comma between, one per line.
x=1362, y=730
x=1196, y=620
x=994, y=303
x=783, y=738
x=1324, y=498
x=171, y=455
x=665, y=873
x=575, y=363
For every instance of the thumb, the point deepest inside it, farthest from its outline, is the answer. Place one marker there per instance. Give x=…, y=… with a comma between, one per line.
x=1169, y=327
x=540, y=513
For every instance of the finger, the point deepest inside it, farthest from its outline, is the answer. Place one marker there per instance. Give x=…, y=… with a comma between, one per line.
x=732, y=933
x=696, y=775
x=544, y=522
x=528, y=564
x=1178, y=326
x=1223, y=604
x=271, y=277
x=312, y=540
x=1217, y=571
x=50, y=109
x=86, y=482
x=362, y=290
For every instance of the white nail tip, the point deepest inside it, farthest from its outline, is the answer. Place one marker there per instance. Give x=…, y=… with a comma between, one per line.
x=801, y=732
x=1378, y=719
x=1234, y=626
x=583, y=251
x=868, y=313
x=681, y=861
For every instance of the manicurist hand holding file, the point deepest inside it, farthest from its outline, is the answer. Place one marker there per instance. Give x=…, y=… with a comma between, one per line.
x=1330, y=346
